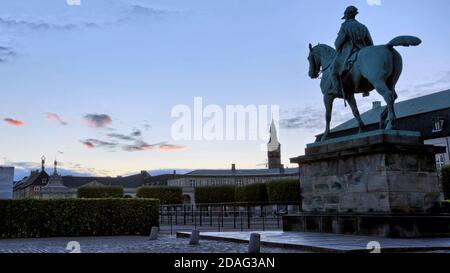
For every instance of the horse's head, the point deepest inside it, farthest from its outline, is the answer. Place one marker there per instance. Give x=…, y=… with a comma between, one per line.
x=314, y=63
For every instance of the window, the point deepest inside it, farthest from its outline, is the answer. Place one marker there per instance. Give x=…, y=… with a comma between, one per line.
x=440, y=161
x=37, y=188
x=438, y=124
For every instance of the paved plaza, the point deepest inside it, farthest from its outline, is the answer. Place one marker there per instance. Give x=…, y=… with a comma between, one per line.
x=226, y=242
x=322, y=242
x=128, y=244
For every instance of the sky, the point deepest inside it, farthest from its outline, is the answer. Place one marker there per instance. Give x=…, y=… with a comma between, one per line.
x=94, y=85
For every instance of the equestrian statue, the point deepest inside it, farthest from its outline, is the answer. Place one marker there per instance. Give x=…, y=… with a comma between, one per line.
x=358, y=66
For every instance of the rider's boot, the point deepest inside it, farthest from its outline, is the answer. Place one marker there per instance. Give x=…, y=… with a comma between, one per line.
x=337, y=86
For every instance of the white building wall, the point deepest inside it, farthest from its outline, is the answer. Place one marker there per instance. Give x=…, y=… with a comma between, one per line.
x=444, y=142
x=6, y=182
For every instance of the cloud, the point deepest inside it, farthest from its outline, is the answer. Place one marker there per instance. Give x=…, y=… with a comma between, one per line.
x=171, y=147
x=14, y=122
x=312, y=118
x=121, y=136
x=133, y=136
x=97, y=120
x=139, y=145
x=133, y=12
x=374, y=2
x=88, y=144
x=6, y=53
x=96, y=143
x=23, y=168
x=136, y=133
x=40, y=24
x=438, y=82
x=56, y=118
x=103, y=17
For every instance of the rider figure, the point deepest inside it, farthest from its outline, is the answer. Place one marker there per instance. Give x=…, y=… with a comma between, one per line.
x=352, y=37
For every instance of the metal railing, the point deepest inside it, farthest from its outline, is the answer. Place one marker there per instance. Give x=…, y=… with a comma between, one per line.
x=226, y=217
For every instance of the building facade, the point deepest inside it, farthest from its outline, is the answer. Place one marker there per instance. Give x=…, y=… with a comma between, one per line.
x=429, y=115
x=30, y=186
x=232, y=176
x=6, y=182
x=40, y=185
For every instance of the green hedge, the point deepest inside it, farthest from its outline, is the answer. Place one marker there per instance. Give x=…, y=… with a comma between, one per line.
x=31, y=218
x=100, y=192
x=284, y=191
x=445, y=179
x=215, y=194
x=166, y=195
x=252, y=193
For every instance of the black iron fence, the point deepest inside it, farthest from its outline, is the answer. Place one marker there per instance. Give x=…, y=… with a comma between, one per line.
x=226, y=217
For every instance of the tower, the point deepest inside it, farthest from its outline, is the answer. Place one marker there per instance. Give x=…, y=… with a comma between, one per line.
x=274, y=149
x=55, y=168
x=42, y=163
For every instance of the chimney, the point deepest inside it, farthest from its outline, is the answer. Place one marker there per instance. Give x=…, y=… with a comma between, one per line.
x=376, y=104
x=233, y=167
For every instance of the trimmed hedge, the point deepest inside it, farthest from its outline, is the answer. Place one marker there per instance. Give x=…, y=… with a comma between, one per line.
x=215, y=194
x=100, y=192
x=445, y=180
x=252, y=193
x=284, y=191
x=31, y=218
x=166, y=195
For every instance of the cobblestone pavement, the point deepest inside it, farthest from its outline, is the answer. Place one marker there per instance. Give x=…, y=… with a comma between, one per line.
x=323, y=242
x=127, y=244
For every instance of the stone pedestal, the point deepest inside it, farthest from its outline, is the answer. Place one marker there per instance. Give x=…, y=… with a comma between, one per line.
x=382, y=172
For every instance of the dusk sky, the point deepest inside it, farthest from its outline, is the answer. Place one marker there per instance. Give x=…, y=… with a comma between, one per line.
x=94, y=85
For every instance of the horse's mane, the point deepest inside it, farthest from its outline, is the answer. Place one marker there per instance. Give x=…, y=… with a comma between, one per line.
x=327, y=51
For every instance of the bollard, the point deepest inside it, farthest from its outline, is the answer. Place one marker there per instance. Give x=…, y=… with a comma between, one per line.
x=154, y=233
x=255, y=243
x=195, y=237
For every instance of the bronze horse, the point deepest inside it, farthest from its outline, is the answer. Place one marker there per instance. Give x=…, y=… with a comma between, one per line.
x=376, y=68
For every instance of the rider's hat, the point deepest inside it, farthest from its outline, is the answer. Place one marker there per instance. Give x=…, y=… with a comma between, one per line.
x=349, y=11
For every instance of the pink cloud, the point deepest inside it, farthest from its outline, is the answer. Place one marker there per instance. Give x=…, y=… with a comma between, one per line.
x=14, y=122
x=56, y=118
x=170, y=147
x=88, y=144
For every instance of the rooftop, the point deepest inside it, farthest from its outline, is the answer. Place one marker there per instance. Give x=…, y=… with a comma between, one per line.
x=247, y=172
x=429, y=103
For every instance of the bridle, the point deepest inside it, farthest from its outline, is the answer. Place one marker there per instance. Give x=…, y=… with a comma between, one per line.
x=321, y=71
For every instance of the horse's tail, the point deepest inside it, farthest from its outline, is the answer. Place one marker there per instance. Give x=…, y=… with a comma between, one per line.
x=404, y=41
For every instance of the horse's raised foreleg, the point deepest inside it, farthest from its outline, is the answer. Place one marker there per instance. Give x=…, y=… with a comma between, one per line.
x=328, y=101
x=389, y=96
x=352, y=102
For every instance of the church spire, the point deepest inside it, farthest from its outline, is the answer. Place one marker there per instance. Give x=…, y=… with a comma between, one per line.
x=274, y=149
x=273, y=141
x=55, y=168
x=42, y=163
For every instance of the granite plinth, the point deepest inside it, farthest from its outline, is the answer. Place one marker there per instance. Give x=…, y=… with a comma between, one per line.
x=378, y=183
x=377, y=172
